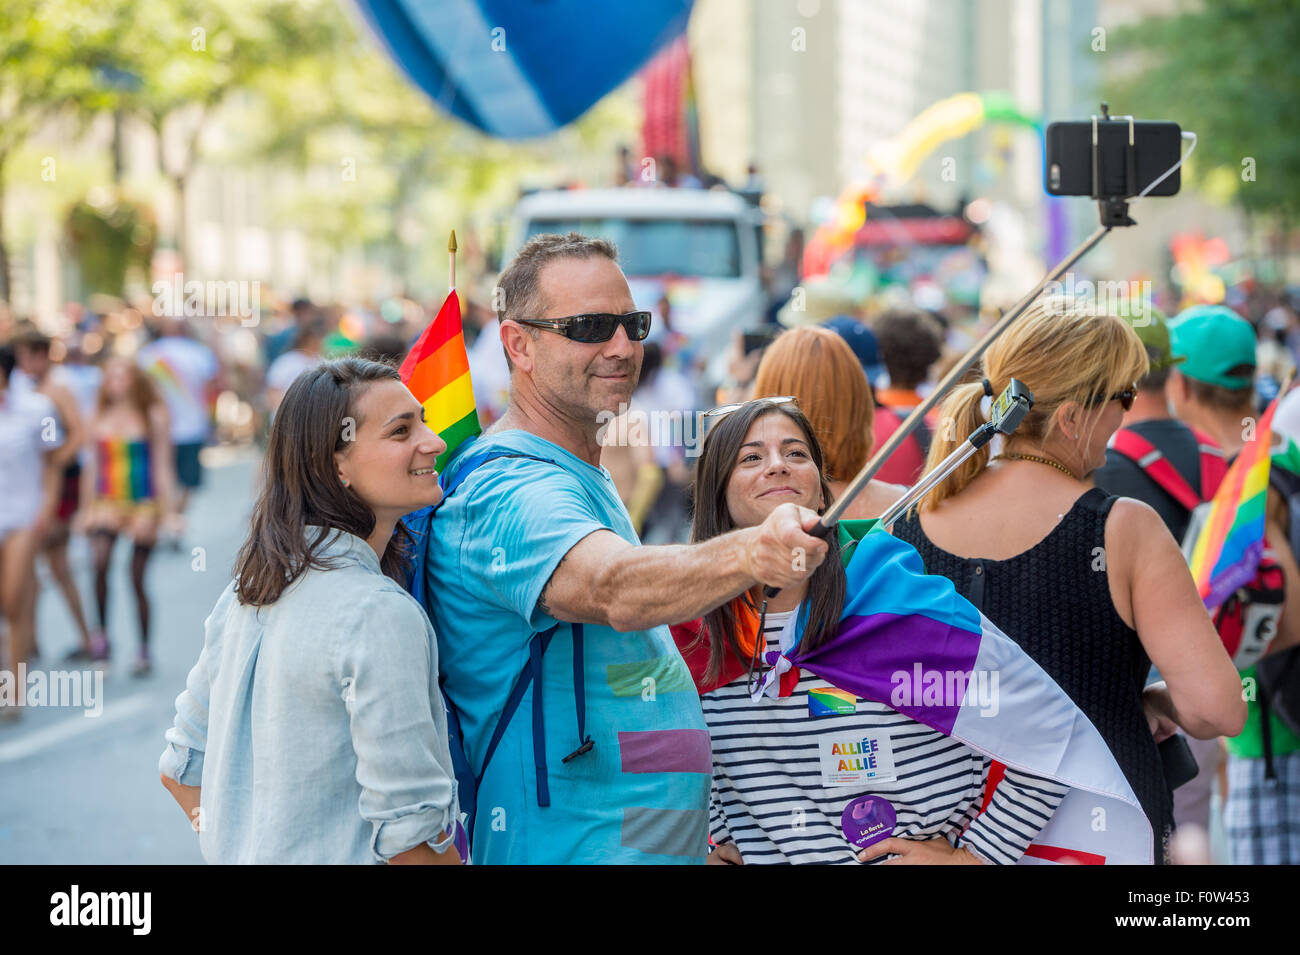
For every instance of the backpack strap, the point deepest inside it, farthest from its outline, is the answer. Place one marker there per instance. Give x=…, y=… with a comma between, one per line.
x=475, y=461
x=1266, y=732
x=532, y=672
x=1156, y=466
x=1214, y=464
x=585, y=744
x=532, y=676
x=419, y=524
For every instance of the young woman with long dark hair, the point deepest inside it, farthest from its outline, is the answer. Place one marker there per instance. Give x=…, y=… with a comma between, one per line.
x=771, y=799
x=311, y=729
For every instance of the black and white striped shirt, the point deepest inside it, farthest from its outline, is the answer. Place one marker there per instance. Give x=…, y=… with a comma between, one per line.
x=769, y=796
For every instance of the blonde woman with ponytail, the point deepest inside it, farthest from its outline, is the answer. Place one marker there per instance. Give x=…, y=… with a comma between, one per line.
x=1092, y=586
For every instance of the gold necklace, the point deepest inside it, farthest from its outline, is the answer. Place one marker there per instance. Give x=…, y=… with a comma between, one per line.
x=1032, y=457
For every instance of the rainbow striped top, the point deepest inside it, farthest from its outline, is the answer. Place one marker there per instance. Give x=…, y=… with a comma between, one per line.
x=123, y=469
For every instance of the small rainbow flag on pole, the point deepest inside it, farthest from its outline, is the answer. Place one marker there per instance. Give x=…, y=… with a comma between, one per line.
x=1231, y=541
x=437, y=371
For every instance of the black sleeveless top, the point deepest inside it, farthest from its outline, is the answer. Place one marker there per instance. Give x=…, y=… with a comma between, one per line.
x=1054, y=600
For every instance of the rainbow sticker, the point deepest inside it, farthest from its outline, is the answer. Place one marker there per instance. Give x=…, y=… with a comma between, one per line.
x=831, y=702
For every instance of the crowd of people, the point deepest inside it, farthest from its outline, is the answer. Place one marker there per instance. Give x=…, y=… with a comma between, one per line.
x=103, y=425
x=90, y=449
x=574, y=643
x=489, y=663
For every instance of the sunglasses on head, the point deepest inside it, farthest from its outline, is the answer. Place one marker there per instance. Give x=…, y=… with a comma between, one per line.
x=594, y=327
x=1124, y=397
x=714, y=415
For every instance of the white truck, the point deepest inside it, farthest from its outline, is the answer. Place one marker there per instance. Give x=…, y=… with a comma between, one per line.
x=700, y=249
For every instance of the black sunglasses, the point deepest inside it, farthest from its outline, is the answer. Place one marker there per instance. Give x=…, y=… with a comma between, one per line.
x=1124, y=397
x=595, y=327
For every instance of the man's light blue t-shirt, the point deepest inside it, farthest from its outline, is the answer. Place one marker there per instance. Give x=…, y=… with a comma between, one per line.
x=641, y=794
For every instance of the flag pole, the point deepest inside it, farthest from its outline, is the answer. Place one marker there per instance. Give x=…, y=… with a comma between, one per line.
x=451, y=262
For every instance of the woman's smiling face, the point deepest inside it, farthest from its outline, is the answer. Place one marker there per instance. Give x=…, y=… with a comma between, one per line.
x=774, y=466
x=389, y=461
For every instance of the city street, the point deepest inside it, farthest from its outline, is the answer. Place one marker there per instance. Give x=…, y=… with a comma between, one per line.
x=887, y=411
x=85, y=790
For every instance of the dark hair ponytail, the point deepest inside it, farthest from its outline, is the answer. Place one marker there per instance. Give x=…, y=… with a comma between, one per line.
x=300, y=485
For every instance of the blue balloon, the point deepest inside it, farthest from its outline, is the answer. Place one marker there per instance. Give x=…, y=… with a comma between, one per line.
x=522, y=68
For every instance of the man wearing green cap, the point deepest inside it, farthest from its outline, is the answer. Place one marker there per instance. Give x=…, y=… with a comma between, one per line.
x=1152, y=441
x=1212, y=390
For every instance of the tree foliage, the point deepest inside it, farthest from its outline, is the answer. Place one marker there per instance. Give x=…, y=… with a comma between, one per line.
x=1228, y=70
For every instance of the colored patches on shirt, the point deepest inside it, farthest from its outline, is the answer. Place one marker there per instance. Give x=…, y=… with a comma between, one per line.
x=647, y=678
x=831, y=702
x=669, y=832
x=666, y=751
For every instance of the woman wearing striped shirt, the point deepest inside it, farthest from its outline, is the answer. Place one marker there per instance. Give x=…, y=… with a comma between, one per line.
x=778, y=793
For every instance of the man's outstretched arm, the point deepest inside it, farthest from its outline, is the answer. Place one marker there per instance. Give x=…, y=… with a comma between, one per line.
x=604, y=579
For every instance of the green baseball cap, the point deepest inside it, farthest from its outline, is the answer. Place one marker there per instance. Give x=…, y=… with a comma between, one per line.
x=1153, y=329
x=1212, y=340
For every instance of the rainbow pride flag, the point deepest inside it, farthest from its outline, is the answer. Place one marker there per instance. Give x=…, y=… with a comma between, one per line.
x=437, y=371
x=1231, y=541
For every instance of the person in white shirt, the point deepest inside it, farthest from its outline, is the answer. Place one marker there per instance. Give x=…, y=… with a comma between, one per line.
x=33, y=357
x=28, y=497
x=184, y=371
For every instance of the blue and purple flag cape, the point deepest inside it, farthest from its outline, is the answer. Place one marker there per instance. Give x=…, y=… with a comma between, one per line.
x=909, y=640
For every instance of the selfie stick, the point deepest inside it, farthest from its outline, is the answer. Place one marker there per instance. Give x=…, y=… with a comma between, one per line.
x=1114, y=212
x=1008, y=411
x=895, y=440
x=833, y=513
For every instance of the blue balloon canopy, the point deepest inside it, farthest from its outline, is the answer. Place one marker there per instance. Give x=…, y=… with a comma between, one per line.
x=522, y=68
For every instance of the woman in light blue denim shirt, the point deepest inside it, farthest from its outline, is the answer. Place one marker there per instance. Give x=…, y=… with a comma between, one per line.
x=311, y=729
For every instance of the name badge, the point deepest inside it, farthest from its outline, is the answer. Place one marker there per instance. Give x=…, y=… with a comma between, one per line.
x=855, y=759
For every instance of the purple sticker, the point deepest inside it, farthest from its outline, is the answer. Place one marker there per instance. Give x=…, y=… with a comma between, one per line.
x=867, y=820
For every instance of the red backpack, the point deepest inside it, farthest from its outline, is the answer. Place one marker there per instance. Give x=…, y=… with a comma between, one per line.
x=1247, y=620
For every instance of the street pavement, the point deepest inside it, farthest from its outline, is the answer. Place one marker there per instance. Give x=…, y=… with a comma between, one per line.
x=85, y=790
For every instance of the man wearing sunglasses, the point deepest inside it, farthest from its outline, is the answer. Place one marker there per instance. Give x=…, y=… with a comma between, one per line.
x=613, y=764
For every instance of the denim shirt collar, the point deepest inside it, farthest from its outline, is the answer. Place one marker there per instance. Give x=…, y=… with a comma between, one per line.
x=340, y=545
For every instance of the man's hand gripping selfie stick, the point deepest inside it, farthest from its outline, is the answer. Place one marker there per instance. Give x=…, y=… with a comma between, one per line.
x=1008, y=410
